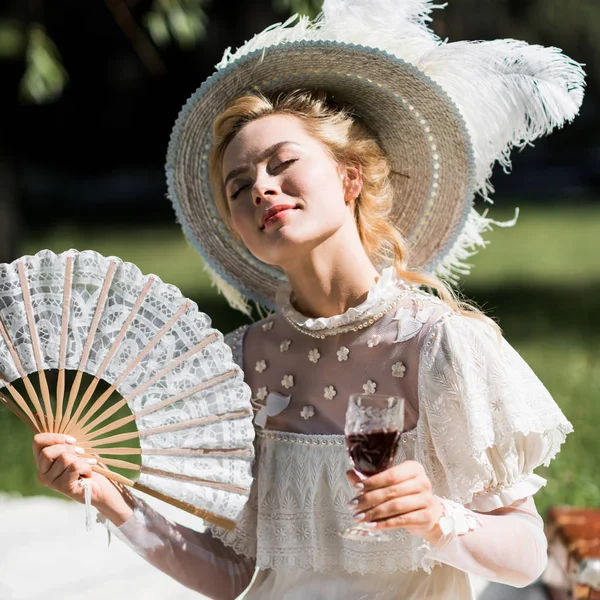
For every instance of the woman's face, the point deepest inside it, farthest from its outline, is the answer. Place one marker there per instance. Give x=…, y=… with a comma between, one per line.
x=285, y=191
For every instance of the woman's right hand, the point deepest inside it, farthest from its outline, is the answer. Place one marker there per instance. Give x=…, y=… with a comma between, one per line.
x=61, y=468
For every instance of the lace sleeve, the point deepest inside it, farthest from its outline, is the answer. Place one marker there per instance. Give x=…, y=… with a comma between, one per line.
x=196, y=560
x=507, y=545
x=486, y=421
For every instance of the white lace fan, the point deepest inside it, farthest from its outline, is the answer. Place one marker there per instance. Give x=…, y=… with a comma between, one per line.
x=188, y=430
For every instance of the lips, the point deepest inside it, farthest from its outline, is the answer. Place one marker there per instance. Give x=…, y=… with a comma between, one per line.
x=272, y=211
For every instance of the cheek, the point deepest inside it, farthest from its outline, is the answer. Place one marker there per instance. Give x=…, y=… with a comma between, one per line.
x=242, y=222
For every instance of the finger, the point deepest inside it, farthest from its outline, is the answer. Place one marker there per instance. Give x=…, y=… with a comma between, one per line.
x=354, y=477
x=393, y=508
x=69, y=479
x=406, y=470
x=375, y=497
x=49, y=454
x=416, y=520
x=62, y=464
x=41, y=440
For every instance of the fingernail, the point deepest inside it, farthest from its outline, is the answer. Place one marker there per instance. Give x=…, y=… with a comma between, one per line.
x=359, y=486
x=353, y=502
x=70, y=439
x=91, y=461
x=359, y=516
x=79, y=450
x=370, y=525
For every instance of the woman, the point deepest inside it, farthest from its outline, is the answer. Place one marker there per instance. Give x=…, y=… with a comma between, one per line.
x=310, y=193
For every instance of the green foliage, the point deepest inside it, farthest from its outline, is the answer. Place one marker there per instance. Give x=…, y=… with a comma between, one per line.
x=303, y=7
x=12, y=39
x=182, y=21
x=45, y=77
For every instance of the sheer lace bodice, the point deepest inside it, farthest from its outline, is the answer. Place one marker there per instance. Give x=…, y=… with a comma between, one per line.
x=477, y=418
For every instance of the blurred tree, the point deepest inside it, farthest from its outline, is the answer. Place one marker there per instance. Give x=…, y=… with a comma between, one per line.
x=183, y=22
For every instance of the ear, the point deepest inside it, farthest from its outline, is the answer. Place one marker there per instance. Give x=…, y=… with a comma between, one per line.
x=351, y=176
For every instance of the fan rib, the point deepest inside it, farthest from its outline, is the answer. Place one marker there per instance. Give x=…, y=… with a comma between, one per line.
x=121, y=437
x=227, y=524
x=103, y=416
x=28, y=385
x=208, y=453
x=88, y=344
x=106, y=395
x=110, y=427
x=198, y=388
x=163, y=428
x=96, y=406
x=15, y=410
x=238, y=414
x=226, y=487
x=173, y=365
x=120, y=464
x=111, y=451
x=35, y=343
x=24, y=406
x=115, y=345
x=150, y=409
x=62, y=359
x=152, y=343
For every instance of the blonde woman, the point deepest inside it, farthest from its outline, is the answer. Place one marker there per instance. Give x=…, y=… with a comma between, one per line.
x=332, y=182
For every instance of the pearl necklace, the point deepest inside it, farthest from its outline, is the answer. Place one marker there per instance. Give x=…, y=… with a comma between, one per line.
x=355, y=326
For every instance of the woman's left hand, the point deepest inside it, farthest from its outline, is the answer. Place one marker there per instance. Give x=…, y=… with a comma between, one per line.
x=400, y=496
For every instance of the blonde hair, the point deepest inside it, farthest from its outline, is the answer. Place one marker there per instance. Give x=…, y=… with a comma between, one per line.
x=350, y=143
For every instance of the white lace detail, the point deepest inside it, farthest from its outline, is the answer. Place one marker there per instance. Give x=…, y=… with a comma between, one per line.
x=45, y=274
x=235, y=340
x=486, y=421
x=457, y=520
x=301, y=505
x=386, y=290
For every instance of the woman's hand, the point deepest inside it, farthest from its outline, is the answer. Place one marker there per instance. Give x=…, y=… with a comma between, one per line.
x=61, y=467
x=400, y=496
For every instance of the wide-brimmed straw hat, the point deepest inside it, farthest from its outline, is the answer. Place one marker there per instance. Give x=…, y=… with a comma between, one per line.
x=442, y=112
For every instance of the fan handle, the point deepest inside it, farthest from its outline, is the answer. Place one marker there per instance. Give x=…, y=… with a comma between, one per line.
x=222, y=522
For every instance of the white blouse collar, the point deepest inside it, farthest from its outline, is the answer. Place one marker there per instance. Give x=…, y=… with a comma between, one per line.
x=387, y=288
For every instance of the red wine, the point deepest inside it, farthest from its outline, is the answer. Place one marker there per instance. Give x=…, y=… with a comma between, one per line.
x=372, y=451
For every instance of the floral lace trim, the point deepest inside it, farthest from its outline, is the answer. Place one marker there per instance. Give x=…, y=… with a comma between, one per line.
x=384, y=291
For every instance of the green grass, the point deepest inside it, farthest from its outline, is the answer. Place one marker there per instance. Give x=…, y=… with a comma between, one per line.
x=558, y=246
x=540, y=279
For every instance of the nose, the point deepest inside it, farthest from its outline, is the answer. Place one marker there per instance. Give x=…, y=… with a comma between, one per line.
x=263, y=191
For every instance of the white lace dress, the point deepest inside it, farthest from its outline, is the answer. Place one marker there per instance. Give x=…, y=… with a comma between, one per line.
x=477, y=419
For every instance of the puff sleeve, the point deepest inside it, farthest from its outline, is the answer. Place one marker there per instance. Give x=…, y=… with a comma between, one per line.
x=486, y=421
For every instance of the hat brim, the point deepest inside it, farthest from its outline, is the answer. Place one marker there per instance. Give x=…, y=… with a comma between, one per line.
x=419, y=128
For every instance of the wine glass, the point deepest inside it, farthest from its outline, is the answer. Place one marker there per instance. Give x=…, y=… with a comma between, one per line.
x=374, y=423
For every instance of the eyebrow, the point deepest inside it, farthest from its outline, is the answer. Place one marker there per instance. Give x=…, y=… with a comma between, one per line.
x=262, y=156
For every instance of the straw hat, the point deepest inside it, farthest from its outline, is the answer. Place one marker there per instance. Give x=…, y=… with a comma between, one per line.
x=443, y=112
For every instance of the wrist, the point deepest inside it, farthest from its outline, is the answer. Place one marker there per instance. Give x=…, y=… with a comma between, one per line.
x=435, y=533
x=117, y=510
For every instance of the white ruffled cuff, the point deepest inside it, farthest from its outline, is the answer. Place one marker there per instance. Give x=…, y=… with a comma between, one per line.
x=455, y=521
x=507, y=495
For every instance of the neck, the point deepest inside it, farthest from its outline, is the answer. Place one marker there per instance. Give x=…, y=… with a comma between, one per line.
x=333, y=277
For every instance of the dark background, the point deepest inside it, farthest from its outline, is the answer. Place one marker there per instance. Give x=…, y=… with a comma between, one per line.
x=95, y=154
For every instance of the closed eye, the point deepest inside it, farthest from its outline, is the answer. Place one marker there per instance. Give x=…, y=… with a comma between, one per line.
x=285, y=163
x=236, y=193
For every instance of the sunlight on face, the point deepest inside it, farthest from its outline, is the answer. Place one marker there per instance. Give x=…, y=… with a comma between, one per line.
x=284, y=189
